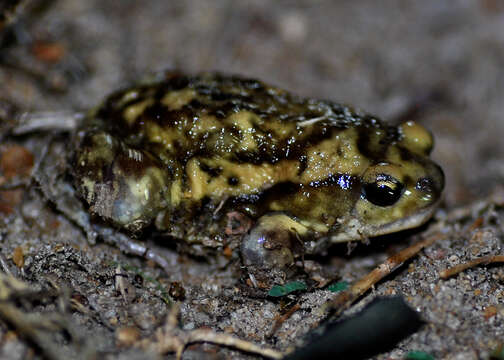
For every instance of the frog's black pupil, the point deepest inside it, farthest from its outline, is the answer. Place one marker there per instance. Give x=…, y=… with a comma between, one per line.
x=381, y=194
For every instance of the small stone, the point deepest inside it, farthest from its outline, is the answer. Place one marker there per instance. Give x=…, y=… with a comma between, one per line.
x=490, y=311
x=127, y=336
x=18, y=257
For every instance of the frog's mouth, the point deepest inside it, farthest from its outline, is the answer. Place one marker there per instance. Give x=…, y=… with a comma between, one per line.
x=408, y=222
x=356, y=230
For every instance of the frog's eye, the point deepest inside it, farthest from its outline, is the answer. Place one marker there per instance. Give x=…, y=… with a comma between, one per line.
x=384, y=191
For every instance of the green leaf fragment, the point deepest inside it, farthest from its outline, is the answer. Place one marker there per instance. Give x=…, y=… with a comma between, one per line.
x=282, y=290
x=339, y=286
x=419, y=355
x=498, y=353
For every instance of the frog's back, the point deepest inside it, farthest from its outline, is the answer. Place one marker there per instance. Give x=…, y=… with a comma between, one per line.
x=213, y=115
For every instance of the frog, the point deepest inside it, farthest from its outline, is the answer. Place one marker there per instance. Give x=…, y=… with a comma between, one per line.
x=217, y=162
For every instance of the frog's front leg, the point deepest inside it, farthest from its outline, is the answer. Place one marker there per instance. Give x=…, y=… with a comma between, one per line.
x=273, y=243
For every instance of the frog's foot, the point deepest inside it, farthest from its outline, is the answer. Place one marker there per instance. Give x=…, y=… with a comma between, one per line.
x=268, y=251
x=121, y=184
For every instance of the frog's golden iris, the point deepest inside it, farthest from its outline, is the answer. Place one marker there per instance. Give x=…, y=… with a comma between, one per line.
x=188, y=154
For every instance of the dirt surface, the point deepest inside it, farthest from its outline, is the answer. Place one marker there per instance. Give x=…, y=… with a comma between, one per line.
x=439, y=63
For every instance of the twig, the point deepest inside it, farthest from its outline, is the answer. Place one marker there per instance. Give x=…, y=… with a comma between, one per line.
x=39, y=328
x=62, y=121
x=26, y=327
x=231, y=341
x=281, y=319
x=170, y=338
x=18, y=184
x=344, y=299
x=470, y=264
x=123, y=286
x=4, y=265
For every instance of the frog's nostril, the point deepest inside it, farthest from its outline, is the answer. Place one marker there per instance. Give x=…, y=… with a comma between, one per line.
x=432, y=184
x=425, y=184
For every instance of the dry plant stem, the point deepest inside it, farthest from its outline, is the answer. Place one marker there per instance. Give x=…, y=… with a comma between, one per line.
x=281, y=319
x=171, y=338
x=39, y=328
x=53, y=121
x=343, y=300
x=228, y=340
x=26, y=327
x=461, y=267
x=4, y=265
x=6, y=186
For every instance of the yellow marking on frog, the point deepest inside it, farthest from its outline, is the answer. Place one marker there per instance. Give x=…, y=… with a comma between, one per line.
x=205, y=124
x=132, y=112
x=311, y=215
x=282, y=221
x=314, y=207
x=252, y=178
x=127, y=97
x=315, y=226
x=176, y=193
x=244, y=121
x=168, y=135
x=162, y=135
x=324, y=159
x=280, y=129
x=175, y=100
x=102, y=150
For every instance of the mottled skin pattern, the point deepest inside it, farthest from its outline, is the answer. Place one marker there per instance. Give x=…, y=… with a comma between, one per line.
x=206, y=158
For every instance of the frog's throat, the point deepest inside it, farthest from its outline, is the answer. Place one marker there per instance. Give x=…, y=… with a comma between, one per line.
x=355, y=230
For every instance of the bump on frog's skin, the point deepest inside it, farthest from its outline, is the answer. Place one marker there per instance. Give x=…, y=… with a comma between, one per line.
x=184, y=151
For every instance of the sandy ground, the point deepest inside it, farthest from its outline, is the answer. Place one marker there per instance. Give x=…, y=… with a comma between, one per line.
x=439, y=63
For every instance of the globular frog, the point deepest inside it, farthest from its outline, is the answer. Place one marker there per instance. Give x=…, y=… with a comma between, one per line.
x=221, y=161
